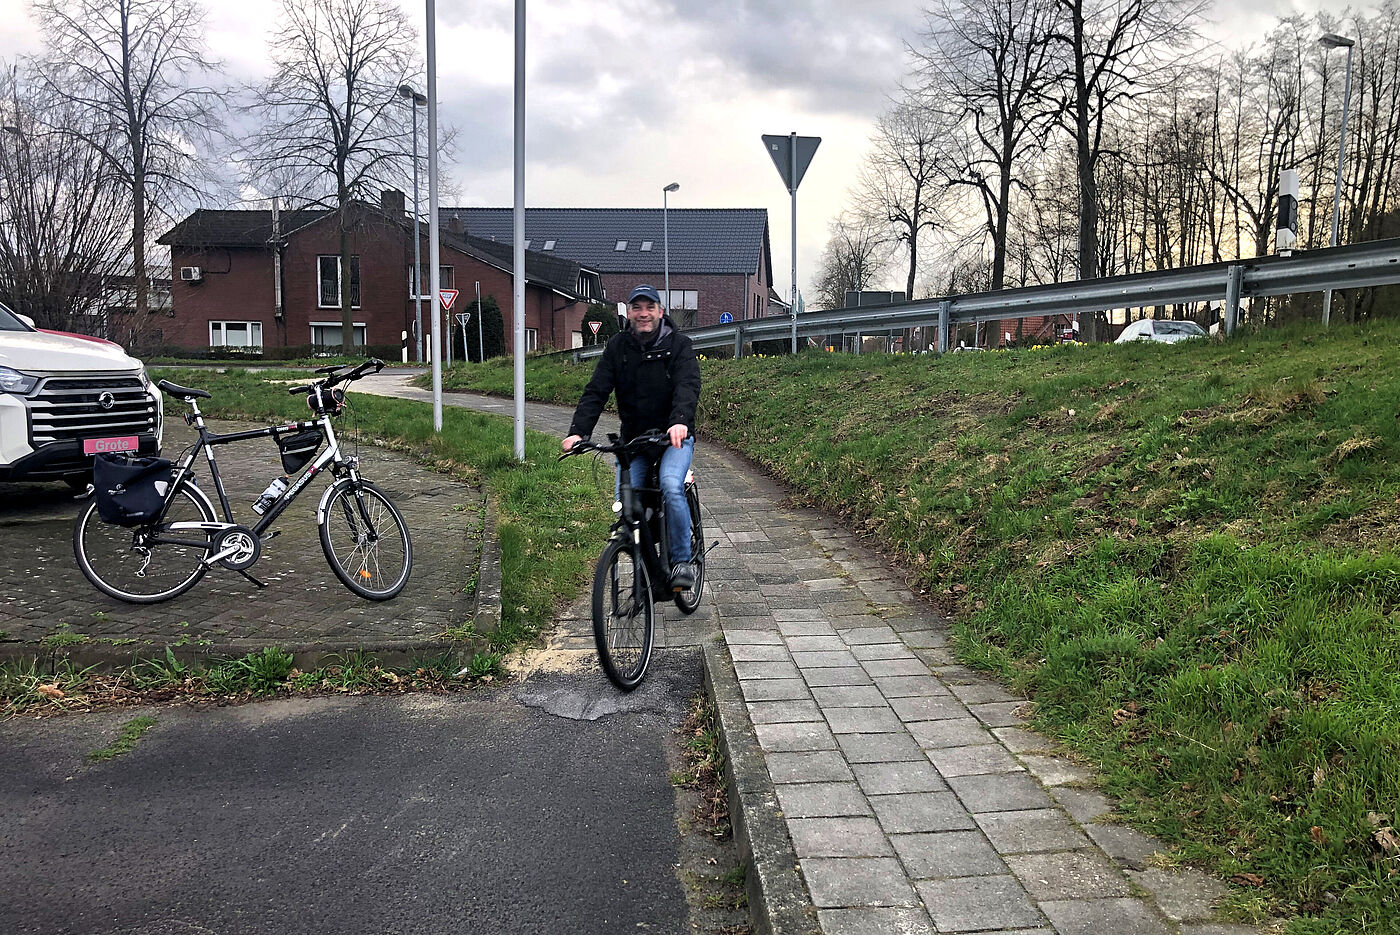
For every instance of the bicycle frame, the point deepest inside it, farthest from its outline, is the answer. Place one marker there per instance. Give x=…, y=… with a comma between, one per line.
x=632, y=523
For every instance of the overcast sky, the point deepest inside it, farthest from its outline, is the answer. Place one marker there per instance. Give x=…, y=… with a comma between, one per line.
x=624, y=96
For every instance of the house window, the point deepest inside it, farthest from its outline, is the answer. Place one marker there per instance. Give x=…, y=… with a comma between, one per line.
x=621, y=245
x=549, y=244
x=532, y=340
x=575, y=339
x=445, y=274
x=327, y=333
x=590, y=286
x=646, y=246
x=235, y=334
x=328, y=268
x=683, y=299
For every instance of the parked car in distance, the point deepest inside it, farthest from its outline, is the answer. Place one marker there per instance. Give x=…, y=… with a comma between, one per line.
x=64, y=398
x=1160, y=331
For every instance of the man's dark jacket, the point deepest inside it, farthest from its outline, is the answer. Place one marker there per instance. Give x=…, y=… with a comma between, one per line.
x=657, y=386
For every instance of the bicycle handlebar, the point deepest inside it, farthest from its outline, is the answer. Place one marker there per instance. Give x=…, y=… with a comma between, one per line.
x=585, y=444
x=333, y=378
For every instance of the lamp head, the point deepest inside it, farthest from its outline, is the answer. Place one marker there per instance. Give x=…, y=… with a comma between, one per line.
x=1334, y=41
x=674, y=186
x=407, y=92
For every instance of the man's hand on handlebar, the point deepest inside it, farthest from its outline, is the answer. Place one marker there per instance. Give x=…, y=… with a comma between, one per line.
x=678, y=434
x=571, y=441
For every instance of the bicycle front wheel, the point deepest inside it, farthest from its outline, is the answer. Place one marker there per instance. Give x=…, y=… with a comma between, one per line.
x=622, y=615
x=366, y=540
x=689, y=599
x=137, y=565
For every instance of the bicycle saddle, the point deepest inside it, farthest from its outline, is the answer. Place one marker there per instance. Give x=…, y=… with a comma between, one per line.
x=182, y=392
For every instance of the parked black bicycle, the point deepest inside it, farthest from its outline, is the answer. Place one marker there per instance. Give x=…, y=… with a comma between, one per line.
x=150, y=533
x=636, y=556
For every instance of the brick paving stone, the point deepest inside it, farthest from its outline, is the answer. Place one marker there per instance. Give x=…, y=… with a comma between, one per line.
x=969, y=761
x=910, y=812
x=948, y=854
x=905, y=776
x=765, y=670
x=859, y=636
x=842, y=659
x=790, y=614
x=846, y=622
x=808, y=766
x=878, y=748
x=821, y=799
x=911, y=686
x=1001, y=792
x=1000, y=713
x=780, y=712
x=934, y=638
x=826, y=678
x=1217, y=928
x=1055, y=770
x=1020, y=740
x=878, y=651
x=1103, y=917
x=863, y=721
x=816, y=644
x=928, y=707
x=838, y=837
x=982, y=692
x=973, y=904
x=1127, y=846
x=743, y=627
x=874, y=922
x=949, y=732
x=850, y=696
x=1022, y=832
x=857, y=881
x=1083, y=805
x=774, y=689
x=778, y=738
x=1068, y=875
x=1182, y=895
x=893, y=668
x=750, y=652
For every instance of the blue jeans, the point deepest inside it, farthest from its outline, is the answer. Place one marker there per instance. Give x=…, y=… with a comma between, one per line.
x=675, y=462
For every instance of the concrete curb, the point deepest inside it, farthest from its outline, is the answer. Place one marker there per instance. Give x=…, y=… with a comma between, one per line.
x=778, y=899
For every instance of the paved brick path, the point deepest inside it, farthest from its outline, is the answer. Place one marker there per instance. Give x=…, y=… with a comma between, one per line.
x=304, y=604
x=916, y=799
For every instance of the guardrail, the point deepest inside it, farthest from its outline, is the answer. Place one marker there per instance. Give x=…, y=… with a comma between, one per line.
x=1356, y=266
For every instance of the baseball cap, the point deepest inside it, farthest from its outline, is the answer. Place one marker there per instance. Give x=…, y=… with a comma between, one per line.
x=645, y=292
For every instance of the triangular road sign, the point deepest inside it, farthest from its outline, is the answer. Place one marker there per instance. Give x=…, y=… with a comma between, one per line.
x=780, y=151
x=448, y=296
x=594, y=326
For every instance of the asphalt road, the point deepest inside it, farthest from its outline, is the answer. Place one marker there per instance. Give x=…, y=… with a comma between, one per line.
x=479, y=812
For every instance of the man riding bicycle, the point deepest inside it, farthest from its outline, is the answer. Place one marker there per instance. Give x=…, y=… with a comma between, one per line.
x=656, y=375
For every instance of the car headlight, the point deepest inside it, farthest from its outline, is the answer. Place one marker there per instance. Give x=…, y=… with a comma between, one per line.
x=12, y=381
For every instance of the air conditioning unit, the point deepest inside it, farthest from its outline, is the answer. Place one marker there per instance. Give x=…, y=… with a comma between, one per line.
x=191, y=274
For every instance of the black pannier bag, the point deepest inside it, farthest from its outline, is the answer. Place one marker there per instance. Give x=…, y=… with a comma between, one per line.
x=298, y=448
x=130, y=491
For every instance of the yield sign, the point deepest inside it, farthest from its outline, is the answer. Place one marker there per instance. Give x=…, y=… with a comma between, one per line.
x=780, y=150
x=448, y=296
x=594, y=326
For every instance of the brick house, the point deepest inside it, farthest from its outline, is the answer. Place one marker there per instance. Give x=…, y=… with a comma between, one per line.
x=720, y=259
x=272, y=280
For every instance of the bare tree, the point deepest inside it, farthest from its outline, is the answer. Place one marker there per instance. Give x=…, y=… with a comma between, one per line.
x=1113, y=49
x=903, y=179
x=330, y=117
x=132, y=69
x=62, y=231
x=855, y=257
x=994, y=60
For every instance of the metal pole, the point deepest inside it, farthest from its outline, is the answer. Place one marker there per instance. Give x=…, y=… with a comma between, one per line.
x=941, y=341
x=434, y=253
x=417, y=260
x=666, y=246
x=1337, y=196
x=480, y=343
x=792, y=156
x=1234, y=282
x=519, y=269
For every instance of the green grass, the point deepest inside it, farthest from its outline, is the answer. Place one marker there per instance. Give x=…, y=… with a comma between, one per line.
x=1185, y=555
x=552, y=516
x=131, y=734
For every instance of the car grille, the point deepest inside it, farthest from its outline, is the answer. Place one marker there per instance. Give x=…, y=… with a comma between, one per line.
x=68, y=408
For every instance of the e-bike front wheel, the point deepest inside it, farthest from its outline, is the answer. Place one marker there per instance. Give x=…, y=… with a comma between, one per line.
x=366, y=540
x=622, y=615
x=146, y=564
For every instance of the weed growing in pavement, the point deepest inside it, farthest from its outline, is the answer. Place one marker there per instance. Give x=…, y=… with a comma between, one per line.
x=63, y=635
x=704, y=766
x=25, y=685
x=131, y=734
x=485, y=665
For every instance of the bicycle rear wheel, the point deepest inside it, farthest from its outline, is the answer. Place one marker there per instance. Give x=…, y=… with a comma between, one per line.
x=368, y=548
x=124, y=563
x=689, y=599
x=622, y=615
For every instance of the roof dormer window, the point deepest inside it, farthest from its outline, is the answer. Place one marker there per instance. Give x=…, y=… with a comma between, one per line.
x=549, y=244
x=646, y=246
x=621, y=246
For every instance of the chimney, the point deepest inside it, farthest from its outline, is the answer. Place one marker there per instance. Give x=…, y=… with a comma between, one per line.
x=391, y=202
x=454, y=224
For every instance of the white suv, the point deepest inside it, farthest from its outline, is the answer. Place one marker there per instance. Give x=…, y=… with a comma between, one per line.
x=64, y=398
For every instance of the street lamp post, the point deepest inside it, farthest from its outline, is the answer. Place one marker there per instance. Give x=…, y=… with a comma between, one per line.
x=666, y=241
x=1334, y=41
x=417, y=100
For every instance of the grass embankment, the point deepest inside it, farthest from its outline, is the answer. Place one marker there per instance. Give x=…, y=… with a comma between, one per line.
x=552, y=517
x=1186, y=555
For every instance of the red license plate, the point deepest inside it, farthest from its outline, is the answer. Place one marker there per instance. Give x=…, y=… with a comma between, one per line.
x=92, y=446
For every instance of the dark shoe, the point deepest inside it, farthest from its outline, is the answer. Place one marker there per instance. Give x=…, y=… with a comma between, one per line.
x=682, y=576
